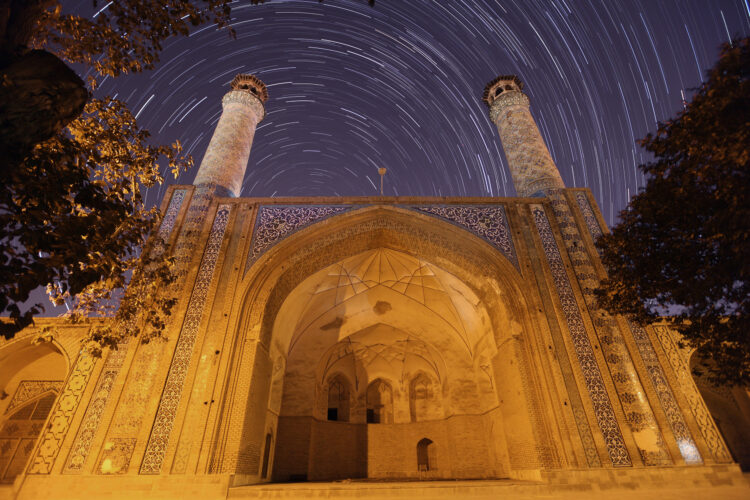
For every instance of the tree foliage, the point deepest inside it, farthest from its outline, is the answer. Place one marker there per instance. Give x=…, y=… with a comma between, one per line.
x=72, y=215
x=682, y=247
x=71, y=212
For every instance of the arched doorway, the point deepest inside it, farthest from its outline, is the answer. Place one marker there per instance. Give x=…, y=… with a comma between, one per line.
x=391, y=295
x=426, y=459
x=31, y=377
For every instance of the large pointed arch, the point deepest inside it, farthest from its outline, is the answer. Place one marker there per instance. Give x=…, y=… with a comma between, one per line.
x=493, y=279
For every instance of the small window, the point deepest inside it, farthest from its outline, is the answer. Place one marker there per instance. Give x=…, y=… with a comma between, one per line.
x=338, y=399
x=498, y=91
x=372, y=417
x=333, y=414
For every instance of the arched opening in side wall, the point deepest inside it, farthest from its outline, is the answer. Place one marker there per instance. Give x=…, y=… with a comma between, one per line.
x=31, y=377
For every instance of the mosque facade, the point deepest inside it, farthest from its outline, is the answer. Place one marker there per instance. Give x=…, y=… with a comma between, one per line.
x=369, y=338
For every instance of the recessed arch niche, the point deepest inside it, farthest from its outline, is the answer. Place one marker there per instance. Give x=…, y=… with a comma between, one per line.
x=31, y=377
x=391, y=294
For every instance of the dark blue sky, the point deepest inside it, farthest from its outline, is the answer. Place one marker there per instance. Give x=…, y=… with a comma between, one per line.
x=353, y=88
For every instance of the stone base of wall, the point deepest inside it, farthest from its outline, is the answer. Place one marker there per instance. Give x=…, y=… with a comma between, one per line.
x=724, y=482
x=649, y=478
x=69, y=487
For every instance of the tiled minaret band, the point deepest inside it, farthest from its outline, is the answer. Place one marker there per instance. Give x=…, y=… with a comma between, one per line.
x=530, y=163
x=223, y=166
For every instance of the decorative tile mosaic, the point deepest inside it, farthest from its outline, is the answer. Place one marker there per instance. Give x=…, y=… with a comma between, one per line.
x=92, y=417
x=588, y=215
x=196, y=214
x=29, y=389
x=274, y=223
x=115, y=458
x=632, y=397
x=167, y=223
x=489, y=222
x=698, y=408
x=59, y=422
x=170, y=399
x=587, y=439
x=603, y=410
x=685, y=442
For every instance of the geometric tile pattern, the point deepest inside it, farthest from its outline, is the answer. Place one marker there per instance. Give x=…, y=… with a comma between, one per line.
x=698, y=407
x=29, y=389
x=603, y=410
x=167, y=223
x=532, y=168
x=489, y=222
x=275, y=223
x=92, y=417
x=59, y=422
x=632, y=397
x=170, y=399
x=588, y=215
x=685, y=442
x=116, y=456
x=184, y=248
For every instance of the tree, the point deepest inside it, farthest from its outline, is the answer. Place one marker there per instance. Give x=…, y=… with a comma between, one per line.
x=71, y=212
x=682, y=246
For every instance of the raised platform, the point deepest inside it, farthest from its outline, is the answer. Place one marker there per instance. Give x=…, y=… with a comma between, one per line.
x=724, y=482
x=484, y=490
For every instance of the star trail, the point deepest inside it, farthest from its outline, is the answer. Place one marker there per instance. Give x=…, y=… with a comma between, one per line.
x=353, y=88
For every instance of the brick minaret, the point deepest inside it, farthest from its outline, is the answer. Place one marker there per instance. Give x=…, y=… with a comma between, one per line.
x=531, y=165
x=223, y=166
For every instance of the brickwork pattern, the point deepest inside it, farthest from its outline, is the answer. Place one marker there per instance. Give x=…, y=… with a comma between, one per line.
x=638, y=412
x=226, y=156
x=62, y=415
x=489, y=222
x=93, y=416
x=698, y=407
x=603, y=410
x=29, y=389
x=530, y=163
x=164, y=421
x=681, y=432
x=196, y=215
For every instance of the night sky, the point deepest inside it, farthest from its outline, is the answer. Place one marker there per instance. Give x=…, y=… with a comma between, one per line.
x=353, y=88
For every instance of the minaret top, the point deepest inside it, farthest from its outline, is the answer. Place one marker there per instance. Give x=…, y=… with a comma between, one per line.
x=251, y=84
x=503, y=83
